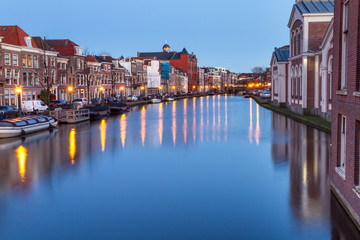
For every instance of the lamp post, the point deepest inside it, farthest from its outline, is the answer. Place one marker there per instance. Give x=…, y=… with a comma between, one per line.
x=18, y=91
x=70, y=89
x=102, y=95
x=121, y=92
x=160, y=89
x=173, y=88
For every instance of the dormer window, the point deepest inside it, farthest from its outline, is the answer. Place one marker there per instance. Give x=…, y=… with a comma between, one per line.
x=28, y=41
x=79, y=51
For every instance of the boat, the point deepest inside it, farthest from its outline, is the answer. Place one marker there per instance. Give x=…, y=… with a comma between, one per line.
x=155, y=100
x=246, y=96
x=97, y=112
x=169, y=99
x=24, y=125
x=117, y=108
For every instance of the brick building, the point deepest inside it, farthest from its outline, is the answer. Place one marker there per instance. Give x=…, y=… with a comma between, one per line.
x=75, y=68
x=22, y=65
x=180, y=60
x=308, y=24
x=345, y=154
x=309, y=62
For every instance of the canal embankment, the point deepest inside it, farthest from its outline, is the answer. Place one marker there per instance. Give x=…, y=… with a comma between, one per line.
x=310, y=120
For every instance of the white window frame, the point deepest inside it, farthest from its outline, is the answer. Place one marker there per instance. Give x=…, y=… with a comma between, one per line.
x=7, y=59
x=15, y=60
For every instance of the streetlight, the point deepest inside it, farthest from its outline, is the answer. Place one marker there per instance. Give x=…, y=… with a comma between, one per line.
x=102, y=95
x=18, y=91
x=121, y=92
x=70, y=89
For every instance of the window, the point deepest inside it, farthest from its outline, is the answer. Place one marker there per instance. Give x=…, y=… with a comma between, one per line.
x=15, y=59
x=300, y=82
x=342, y=134
x=36, y=61
x=53, y=61
x=28, y=41
x=52, y=75
x=8, y=77
x=25, y=80
x=7, y=59
x=78, y=64
x=24, y=60
x=345, y=42
x=37, y=81
x=16, y=77
x=31, y=79
x=30, y=62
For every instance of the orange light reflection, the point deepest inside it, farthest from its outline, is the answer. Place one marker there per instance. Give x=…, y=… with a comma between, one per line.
x=21, y=153
x=103, y=134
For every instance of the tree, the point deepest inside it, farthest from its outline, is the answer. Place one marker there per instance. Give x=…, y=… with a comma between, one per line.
x=258, y=70
x=88, y=75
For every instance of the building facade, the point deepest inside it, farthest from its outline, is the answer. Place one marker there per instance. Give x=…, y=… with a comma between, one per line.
x=345, y=152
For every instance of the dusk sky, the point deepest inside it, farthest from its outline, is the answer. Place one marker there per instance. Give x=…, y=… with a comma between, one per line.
x=235, y=34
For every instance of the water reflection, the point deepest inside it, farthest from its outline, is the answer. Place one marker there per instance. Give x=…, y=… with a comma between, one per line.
x=161, y=122
x=123, y=129
x=194, y=119
x=143, y=125
x=185, y=120
x=251, y=123
x=21, y=153
x=145, y=190
x=103, y=134
x=72, y=145
x=307, y=152
x=257, y=130
x=174, y=122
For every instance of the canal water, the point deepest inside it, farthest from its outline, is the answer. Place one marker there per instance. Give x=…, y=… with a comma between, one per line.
x=218, y=167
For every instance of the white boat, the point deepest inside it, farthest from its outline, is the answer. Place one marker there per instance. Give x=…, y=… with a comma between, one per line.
x=20, y=126
x=155, y=100
x=169, y=99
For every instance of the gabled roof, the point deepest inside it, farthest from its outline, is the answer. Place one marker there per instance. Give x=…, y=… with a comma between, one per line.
x=166, y=56
x=91, y=58
x=14, y=35
x=315, y=6
x=65, y=47
x=42, y=44
x=282, y=54
x=101, y=60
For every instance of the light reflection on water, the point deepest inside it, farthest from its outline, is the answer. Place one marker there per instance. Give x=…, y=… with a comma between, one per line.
x=144, y=179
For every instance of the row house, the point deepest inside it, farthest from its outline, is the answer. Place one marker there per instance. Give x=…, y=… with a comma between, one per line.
x=76, y=65
x=153, y=76
x=178, y=82
x=345, y=99
x=180, y=60
x=307, y=80
x=23, y=64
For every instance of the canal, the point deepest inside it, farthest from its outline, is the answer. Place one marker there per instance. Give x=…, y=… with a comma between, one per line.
x=218, y=167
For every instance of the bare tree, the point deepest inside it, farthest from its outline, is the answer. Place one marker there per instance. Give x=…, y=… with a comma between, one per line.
x=45, y=70
x=88, y=74
x=258, y=70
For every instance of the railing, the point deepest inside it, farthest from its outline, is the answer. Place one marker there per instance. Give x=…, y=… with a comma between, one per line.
x=71, y=115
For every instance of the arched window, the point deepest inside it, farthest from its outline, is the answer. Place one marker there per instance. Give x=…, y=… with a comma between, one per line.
x=297, y=42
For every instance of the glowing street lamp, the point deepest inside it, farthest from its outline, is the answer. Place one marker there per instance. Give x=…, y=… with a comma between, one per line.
x=70, y=89
x=102, y=95
x=18, y=91
x=121, y=91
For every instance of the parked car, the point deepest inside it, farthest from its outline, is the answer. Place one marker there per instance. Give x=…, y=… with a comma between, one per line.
x=110, y=100
x=96, y=101
x=132, y=98
x=7, y=112
x=80, y=102
x=59, y=104
x=34, y=106
x=143, y=97
x=265, y=94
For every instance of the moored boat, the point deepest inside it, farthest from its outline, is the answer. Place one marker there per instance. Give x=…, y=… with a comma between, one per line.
x=155, y=100
x=169, y=99
x=24, y=125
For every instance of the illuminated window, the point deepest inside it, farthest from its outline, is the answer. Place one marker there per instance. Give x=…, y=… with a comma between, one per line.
x=30, y=61
x=24, y=60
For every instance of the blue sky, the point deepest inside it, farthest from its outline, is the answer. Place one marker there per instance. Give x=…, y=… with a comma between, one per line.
x=235, y=34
